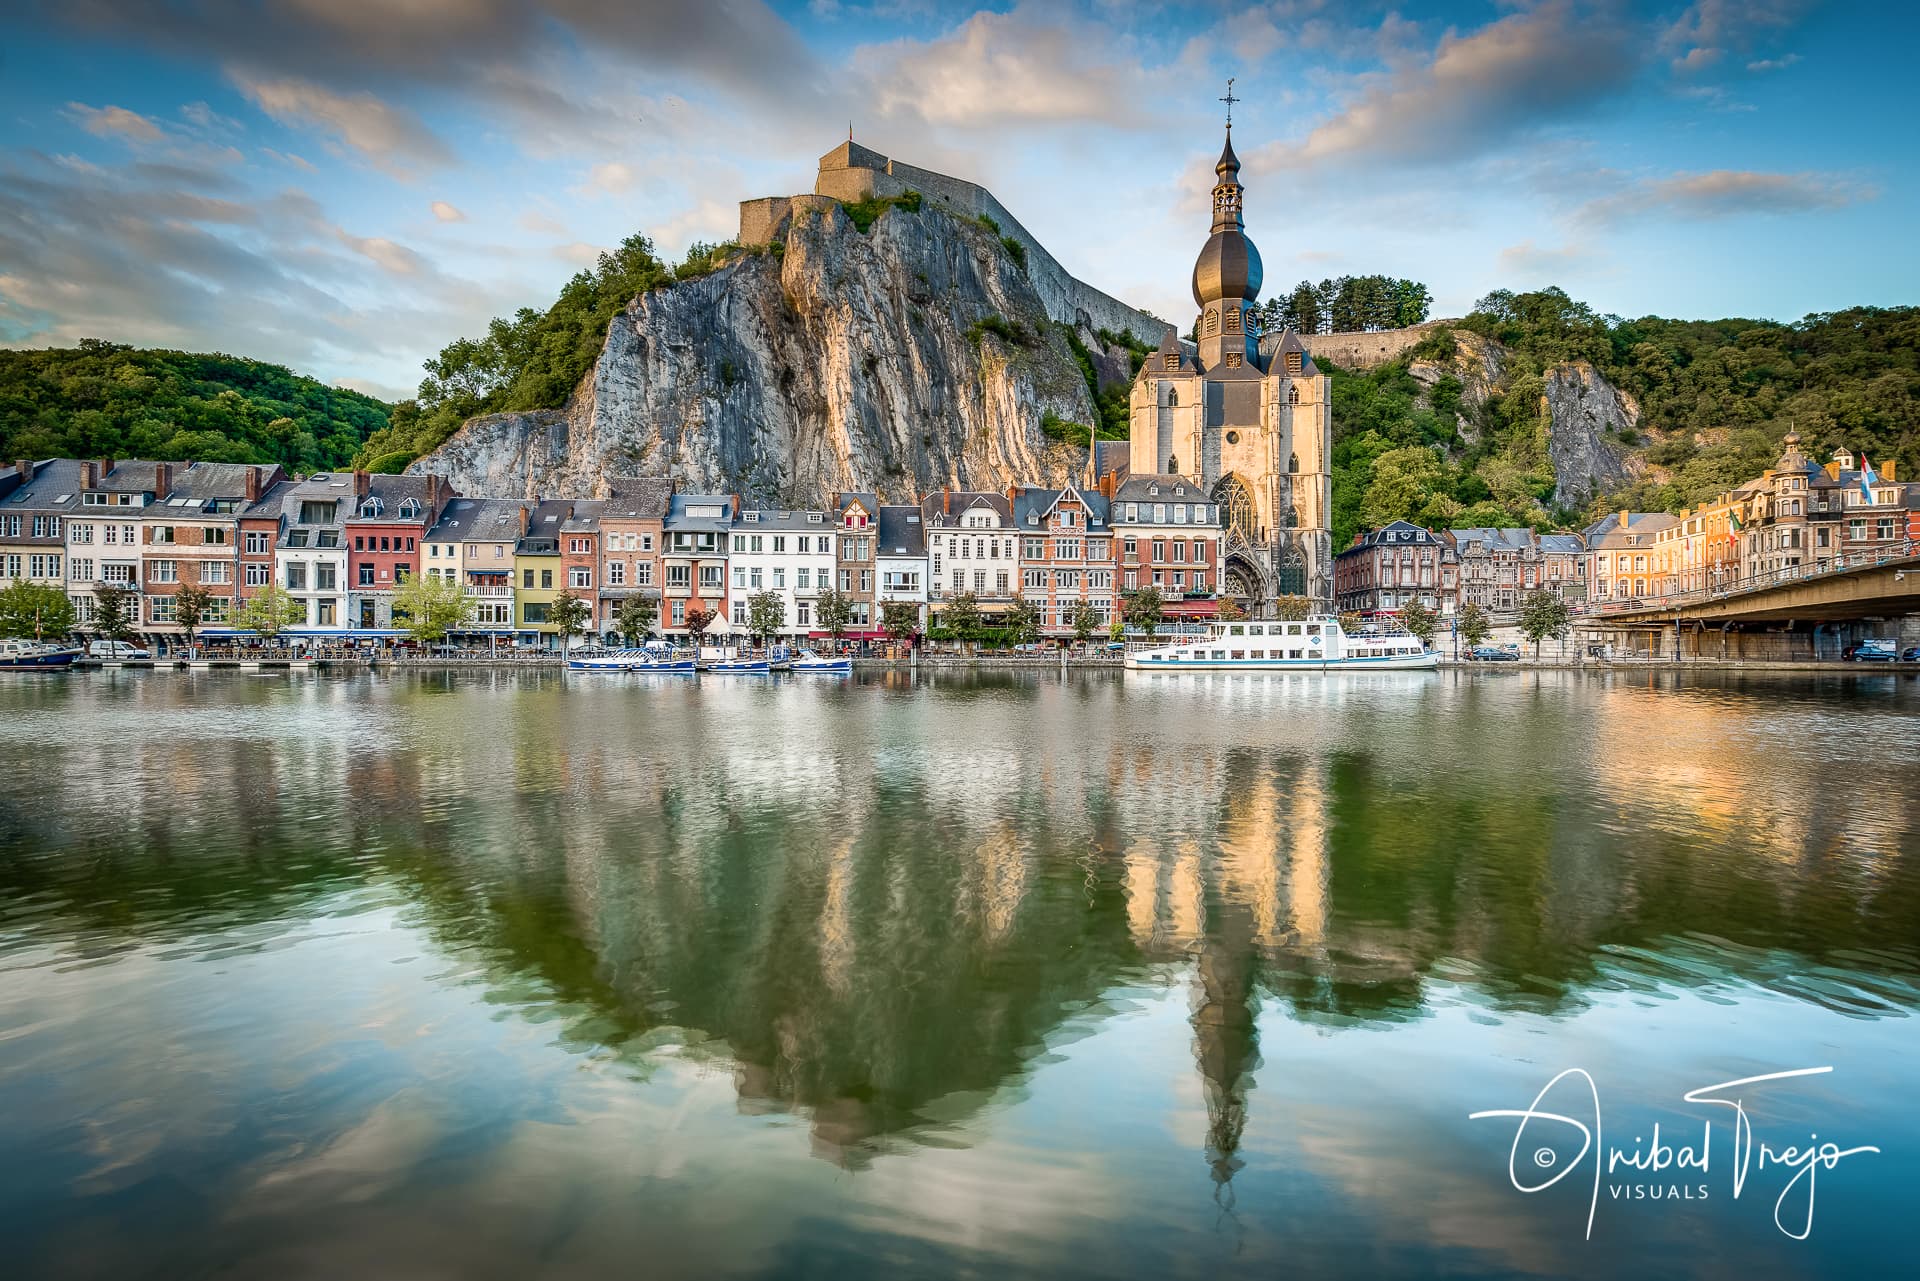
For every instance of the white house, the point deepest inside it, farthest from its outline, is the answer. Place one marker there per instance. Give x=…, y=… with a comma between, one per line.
x=788, y=552
x=971, y=548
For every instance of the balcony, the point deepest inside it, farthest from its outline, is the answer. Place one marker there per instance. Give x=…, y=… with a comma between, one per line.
x=489, y=591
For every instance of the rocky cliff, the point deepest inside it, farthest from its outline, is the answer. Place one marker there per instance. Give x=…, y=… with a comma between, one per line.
x=910, y=356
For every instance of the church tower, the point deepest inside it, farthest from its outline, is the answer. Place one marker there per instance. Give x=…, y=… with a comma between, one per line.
x=1246, y=418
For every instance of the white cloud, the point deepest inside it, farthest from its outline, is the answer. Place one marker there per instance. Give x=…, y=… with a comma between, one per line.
x=115, y=122
x=610, y=179
x=446, y=212
x=1724, y=193
x=391, y=137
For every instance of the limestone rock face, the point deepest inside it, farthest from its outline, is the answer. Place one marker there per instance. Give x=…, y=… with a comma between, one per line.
x=1583, y=408
x=1478, y=363
x=849, y=361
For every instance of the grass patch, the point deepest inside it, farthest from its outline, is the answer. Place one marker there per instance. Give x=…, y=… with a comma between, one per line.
x=864, y=213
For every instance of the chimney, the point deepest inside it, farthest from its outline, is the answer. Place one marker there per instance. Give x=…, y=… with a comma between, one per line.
x=433, y=497
x=1013, y=494
x=25, y=467
x=162, y=481
x=89, y=475
x=253, y=485
x=946, y=500
x=360, y=483
x=526, y=515
x=1106, y=486
x=106, y=467
x=736, y=507
x=1623, y=518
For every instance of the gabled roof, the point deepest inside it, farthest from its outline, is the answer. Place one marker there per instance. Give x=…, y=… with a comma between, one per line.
x=946, y=508
x=1032, y=506
x=1138, y=489
x=543, y=528
x=1492, y=539
x=681, y=513
x=1169, y=346
x=781, y=520
x=392, y=492
x=586, y=516
x=54, y=487
x=282, y=502
x=1112, y=457
x=1290, y=341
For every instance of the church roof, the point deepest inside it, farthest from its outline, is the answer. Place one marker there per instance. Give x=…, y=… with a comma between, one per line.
x=1229, y=163
x=1290, y=341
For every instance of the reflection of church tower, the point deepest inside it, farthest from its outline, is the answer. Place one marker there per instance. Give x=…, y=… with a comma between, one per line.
x=1225, y=1041
x=1246, y=420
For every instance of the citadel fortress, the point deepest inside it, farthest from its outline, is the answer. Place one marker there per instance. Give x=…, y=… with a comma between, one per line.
x=1247, y=419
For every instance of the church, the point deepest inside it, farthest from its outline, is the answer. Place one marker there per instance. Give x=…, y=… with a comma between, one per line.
x=1249, y=422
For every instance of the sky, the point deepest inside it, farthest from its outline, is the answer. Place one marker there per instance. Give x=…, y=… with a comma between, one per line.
x=344, y=186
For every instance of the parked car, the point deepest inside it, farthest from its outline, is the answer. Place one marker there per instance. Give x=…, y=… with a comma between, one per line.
x=1911, y=654
x=1492, y=654
x=1873, y=651
x=116, y=651
x=1027, y=649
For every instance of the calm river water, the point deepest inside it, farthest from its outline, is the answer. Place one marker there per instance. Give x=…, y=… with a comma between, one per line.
x=513, y=976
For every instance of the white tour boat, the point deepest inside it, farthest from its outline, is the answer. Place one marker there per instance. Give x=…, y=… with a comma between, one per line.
x=1314, y=644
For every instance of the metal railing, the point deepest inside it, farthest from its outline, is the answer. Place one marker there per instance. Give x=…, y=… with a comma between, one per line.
x=1833, y=566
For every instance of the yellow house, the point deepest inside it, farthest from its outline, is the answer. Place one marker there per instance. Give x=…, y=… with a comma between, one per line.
x=538, y=577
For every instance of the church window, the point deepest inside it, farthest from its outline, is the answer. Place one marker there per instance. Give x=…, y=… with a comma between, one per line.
x=1294, y=363
x=1293, y=393
x=1293, y=462
x=1237, y=505
x=1233, y=360
x=1173, y=464
x=1293, y=574
x=1233, y=321
x=1213, y=322
x=1172, y=360
x=1233, y=438
x=1173, y=395
x=1293, y=519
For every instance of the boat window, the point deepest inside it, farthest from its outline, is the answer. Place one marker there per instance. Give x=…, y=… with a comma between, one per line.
x=1293, y=630
x=1293, y=653
x=1219, y=653
x=1239, y=653
x=1313, y=629
x=1257, y=629
x=1236, y=630
x=1258, y=653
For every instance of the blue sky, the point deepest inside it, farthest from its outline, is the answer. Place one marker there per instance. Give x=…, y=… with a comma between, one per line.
x=346, y=185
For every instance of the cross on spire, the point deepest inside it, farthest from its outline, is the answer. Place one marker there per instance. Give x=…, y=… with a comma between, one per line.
x=1230, y=100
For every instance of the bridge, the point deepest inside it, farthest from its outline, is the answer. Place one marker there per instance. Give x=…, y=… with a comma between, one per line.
x=1797, y=601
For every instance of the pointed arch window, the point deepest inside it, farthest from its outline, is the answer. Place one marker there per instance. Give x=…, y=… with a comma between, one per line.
x=1236, y=507
x=1293, y=573
x=1293, y=463
x=1213, y=322
x=1173, y=464
x=1293, y=394
x=1173, y=396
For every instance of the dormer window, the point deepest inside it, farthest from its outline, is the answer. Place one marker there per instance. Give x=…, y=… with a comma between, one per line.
x=410, y=509
x=1171, y=361
x=1153, y=490
x=370, y=508
x=1294, y=363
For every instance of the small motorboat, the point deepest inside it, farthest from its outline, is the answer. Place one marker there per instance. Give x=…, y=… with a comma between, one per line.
x=33, y=656
x=808, y=661
x=740, y=666
x=663, y=660
x=611, y=660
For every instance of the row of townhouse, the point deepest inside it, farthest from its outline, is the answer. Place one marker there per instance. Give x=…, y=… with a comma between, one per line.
x=340, y=543
x=1495, y=568
x=1798, y=512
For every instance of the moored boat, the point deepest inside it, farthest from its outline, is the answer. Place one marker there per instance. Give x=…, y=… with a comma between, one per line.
x=740, y=666
x=33, y=656
x=612, y=660
x=808, y=661
x=1316, y=644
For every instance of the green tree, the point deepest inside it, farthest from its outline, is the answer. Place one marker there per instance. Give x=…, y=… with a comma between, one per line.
x=1086, y=621
x=1141, y=607
x=1419, y=621
x=190, y=605
x=636, y=617
x=570, y=616
x=1117, y=626
x=1474, y=624
x=1291, y=608
x=270, y=611
x=111, y=611
x=833, y=613
x=1023, y=621
x=766, y=615
x=962, y=617
x=1543, y=614
x=429, y=606
x=1230, y=611
x=899, y=619
x=38, y=610
x=698, y=620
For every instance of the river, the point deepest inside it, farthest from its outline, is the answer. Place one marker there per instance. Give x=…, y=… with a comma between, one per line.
x=1011, y=974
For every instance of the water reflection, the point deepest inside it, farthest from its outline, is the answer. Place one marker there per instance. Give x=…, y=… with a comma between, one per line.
x=882, y=907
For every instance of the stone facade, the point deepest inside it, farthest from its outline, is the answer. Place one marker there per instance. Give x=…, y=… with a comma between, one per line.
x=1251, y=426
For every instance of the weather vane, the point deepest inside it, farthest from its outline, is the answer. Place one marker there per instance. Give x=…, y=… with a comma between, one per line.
x=1230, y=100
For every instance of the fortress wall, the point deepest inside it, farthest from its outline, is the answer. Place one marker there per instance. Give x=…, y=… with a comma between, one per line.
x=1368, y=350
x=1065, y=298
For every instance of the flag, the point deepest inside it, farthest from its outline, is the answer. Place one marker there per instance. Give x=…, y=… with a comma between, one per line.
x=1867, y=479
x=1733, y=526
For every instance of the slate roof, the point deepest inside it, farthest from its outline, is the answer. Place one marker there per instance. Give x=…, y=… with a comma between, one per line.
x=392, y=491
x=1407, y=534
x=1637, y=523
x=1031, y=505
x=945, y=509
x=637, y=498
x=543, y=528
x=478, y=520
x=1508, y=539
x=55, y=487
x=901, y=532
x=1559, y=543
x=586, y=516
x=678, y=518
x=1112, y=457
x=780, y=520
